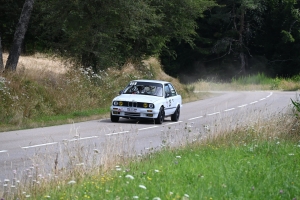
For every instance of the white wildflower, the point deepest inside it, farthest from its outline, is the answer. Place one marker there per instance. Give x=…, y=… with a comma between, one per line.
x=156, y=198
x=156, y=170
x=186, y=195
x=135, y=197
x=129, y=176
x=291, y=154
x=142, y=186
x=178, y=156
x=71, y=182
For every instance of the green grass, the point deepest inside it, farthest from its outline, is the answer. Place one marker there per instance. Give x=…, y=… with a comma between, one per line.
x=258, y=170
x=250, y=83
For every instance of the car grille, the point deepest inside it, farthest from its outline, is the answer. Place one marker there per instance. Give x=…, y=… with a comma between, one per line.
x=132, y=114
x=132, y=104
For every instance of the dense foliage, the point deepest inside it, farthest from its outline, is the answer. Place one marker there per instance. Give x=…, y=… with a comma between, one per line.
x=224, y=38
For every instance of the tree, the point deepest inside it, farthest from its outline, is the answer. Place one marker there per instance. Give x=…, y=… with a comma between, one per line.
x=279, y=40
x=19, y=35
x=242, y=19
x=1, y=57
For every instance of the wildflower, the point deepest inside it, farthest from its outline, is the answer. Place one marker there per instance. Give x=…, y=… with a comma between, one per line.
x=281, y=191
x=156, y=170
x=291, y=154
x=142, y=186
x=80, y=164
x=135, y=197
x=156, y=198
x=149, y=178
x=178, y=156
x=186, y=195
x=71, y=182
x=129, y=176
x=96, y=151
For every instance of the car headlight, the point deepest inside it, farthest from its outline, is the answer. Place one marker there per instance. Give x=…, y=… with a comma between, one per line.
x=151, y=105
x=115, y=103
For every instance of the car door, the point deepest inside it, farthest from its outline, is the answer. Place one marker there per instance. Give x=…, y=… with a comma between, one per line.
x=170, y=105
x=176, y=98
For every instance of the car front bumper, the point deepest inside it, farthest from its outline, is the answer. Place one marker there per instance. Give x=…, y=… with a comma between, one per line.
x=134, y=112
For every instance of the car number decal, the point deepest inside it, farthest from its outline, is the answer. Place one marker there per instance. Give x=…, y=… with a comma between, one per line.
x=133, y=83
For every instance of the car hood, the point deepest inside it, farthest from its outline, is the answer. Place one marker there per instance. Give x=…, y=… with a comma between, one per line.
x=137, y=98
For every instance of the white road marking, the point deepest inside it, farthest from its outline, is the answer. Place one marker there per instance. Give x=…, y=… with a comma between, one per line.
x=3, y=151
x=174, y=123
x=270, y=94
x=40, y=145
x=195, y=118
x=117, y=133
x=147, y=128
x=213, y=113
x=85, y=138
x=253, y=102
x=229, y=109
x=262, y=99
x=242, y=105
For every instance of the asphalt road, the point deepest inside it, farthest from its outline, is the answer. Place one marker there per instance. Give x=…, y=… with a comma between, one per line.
x=94, y=142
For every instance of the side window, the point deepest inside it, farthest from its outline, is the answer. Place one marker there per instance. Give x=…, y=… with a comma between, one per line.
x=172, y=90
x=167, y=90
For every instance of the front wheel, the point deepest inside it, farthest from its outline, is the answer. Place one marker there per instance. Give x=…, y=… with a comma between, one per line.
x=161, y=116
x=176, y=114
x=114, y=118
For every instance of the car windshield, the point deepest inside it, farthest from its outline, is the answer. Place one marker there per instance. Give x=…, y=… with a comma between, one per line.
x=144, y=88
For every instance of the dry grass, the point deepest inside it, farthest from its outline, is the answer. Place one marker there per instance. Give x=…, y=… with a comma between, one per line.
x=41, y=63
x=212, y=86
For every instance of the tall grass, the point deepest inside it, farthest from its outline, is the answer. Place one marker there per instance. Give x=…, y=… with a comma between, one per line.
x=252, y=82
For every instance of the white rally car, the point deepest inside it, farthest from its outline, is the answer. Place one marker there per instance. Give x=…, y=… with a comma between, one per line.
x=147, y=99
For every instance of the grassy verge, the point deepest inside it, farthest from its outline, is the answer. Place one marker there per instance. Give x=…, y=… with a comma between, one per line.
x=258, y=161
x=257, y=170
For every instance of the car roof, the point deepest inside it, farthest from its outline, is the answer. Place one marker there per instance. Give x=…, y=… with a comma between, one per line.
x=152, y=81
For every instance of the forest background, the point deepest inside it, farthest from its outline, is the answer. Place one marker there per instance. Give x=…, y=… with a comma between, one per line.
x=195, y=39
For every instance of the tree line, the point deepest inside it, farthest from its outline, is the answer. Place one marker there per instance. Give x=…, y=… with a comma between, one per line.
x=225, y=38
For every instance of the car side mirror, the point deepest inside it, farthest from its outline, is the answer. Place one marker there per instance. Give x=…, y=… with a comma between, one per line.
x=121, y=91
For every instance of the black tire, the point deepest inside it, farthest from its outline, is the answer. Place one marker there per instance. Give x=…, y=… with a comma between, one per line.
x=176, y=114
x=114, y=118
x=161, y=116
